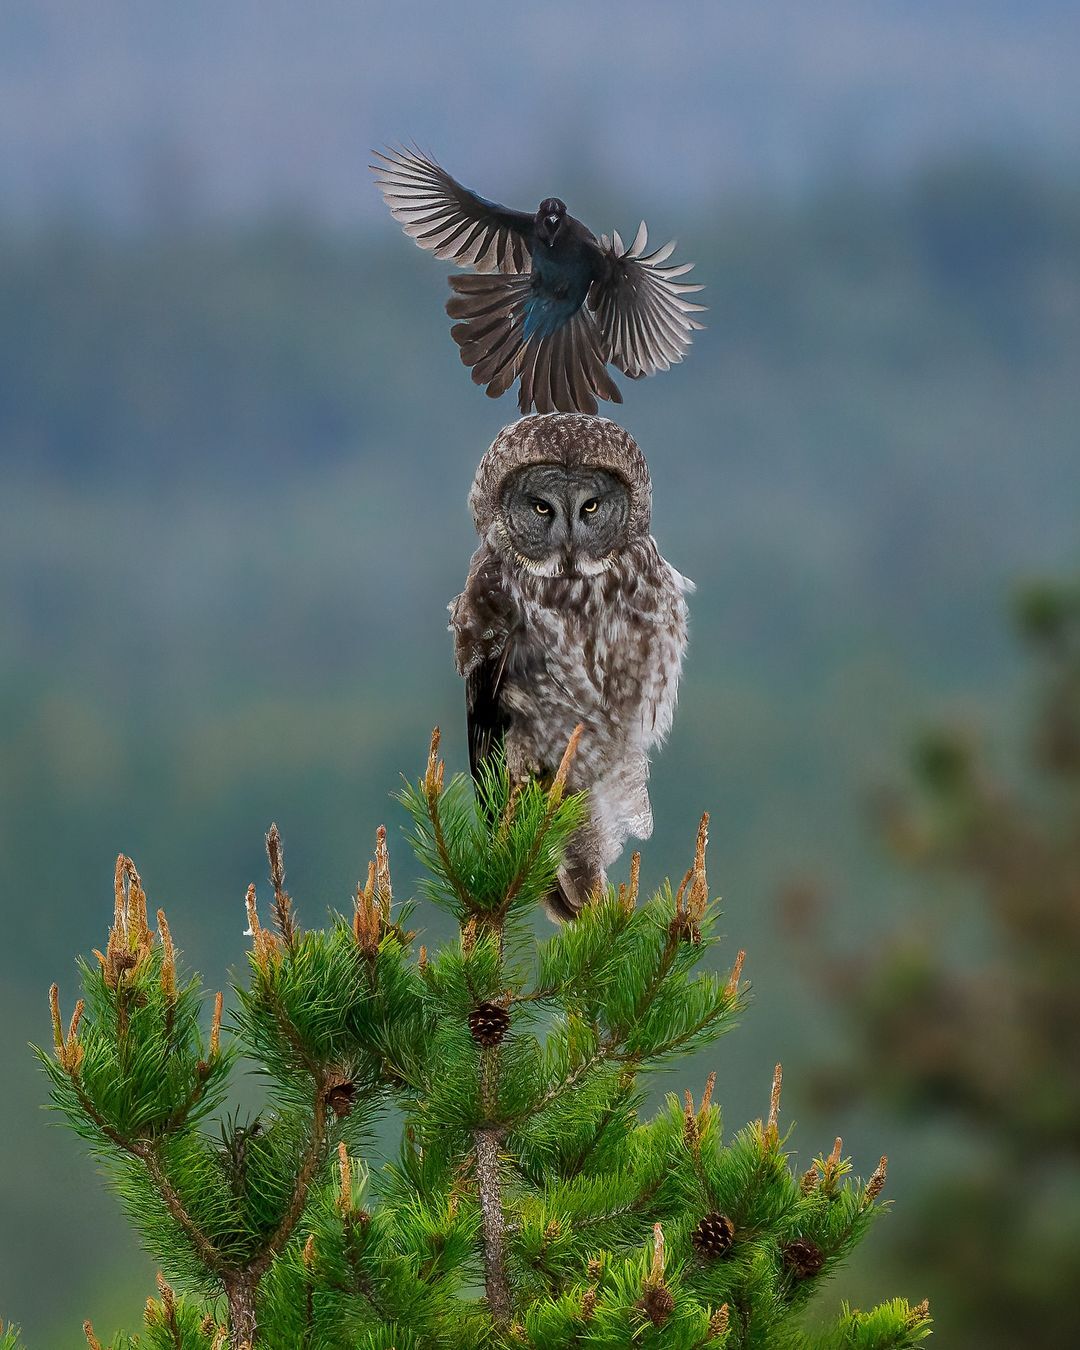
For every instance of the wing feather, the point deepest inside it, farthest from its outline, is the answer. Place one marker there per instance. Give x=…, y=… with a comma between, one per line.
x=442, y=215
x=489, y=334
x=646, y=322
x=483, y=620
x=486, y=720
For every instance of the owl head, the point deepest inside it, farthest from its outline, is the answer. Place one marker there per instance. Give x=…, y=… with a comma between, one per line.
x=561, y=494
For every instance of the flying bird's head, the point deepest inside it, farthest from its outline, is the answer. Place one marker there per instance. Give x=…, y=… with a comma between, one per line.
x=550, y=215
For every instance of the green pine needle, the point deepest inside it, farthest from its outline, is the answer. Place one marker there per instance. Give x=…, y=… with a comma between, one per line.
x=530, y=1203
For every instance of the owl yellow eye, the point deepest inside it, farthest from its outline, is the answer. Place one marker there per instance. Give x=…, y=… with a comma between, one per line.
x=542, y=508
x=590, y=506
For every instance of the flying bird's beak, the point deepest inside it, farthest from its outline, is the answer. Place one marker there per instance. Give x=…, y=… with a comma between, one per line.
x=547, y=228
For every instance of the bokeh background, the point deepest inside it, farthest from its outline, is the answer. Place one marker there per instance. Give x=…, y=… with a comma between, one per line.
x=235, y=442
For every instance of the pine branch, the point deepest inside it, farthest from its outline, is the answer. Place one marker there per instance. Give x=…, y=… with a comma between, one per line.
x=145, y=1150
x=147, y=1154
x=314, y=1156
x=685, y=1037
x=574, y=1166
x=431, y=797
x=604, y=1052
x=635, y=1206
x=554, y=799
x=180, y=1116
x=288, y=1030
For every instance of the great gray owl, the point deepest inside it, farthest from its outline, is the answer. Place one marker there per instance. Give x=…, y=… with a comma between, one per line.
x=570, y=615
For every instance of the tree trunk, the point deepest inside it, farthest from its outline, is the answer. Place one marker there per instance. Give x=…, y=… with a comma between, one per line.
x=240, y=1289
x=494, y=1226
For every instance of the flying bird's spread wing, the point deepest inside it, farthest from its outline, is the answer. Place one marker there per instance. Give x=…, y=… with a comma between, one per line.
x=646, y=322
x=443, y=216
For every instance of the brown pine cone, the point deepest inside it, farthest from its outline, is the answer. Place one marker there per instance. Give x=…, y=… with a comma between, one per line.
x=488, y=1023
x=803, y=1257
x=340, y=1095
x=713, y=1236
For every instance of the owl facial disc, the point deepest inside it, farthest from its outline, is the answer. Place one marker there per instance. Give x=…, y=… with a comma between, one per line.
x=560, y=521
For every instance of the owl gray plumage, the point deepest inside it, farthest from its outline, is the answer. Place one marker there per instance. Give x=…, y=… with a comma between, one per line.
x=570, y=615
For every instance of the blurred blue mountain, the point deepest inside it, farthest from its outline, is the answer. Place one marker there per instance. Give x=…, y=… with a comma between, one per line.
x=129, y=111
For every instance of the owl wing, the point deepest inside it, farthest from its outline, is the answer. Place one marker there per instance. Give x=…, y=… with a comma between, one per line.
x=483, y=620
x=486, y=720
x=646, y=322
x=660, y=682
x=447, y=218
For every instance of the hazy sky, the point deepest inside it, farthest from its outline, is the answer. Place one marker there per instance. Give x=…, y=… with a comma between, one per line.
x=124, y=107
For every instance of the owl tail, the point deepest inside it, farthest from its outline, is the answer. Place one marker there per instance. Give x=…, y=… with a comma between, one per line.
x=575, y=885
x=563, y=372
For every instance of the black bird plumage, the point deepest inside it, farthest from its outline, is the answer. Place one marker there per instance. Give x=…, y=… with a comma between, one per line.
x=552, y=305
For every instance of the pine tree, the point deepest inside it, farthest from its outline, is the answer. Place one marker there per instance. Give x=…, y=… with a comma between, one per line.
x=529, y=1204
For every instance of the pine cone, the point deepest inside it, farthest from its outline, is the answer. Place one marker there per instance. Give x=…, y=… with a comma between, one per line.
x=713, y=1236
x=657, y=1304
x=340, y=1096
x=488, y=1023
x=803, y=1258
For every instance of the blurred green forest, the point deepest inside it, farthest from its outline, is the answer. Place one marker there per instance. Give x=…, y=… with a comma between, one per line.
x=968, y=1014
x=233, y=467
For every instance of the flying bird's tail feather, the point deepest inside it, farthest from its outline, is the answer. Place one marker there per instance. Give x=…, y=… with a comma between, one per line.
x=561, y=372
x=566, y=372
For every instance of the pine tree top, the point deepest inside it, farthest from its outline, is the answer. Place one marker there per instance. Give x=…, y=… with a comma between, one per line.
x=529, y=1203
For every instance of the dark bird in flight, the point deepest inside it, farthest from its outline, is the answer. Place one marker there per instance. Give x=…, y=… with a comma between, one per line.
x=554, y=305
